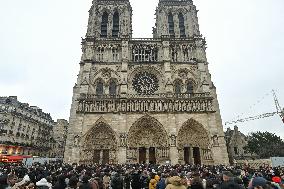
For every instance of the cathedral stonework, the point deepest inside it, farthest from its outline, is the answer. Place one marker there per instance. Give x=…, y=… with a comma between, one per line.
x=144, y=100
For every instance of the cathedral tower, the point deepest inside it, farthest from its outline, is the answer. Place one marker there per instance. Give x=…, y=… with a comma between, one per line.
x=144, y=100
x=176, y=18
x=110, y=19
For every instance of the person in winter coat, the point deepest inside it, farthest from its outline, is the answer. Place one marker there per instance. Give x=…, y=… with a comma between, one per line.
x=196, y=183
x=144, y=180
x=117, y=182
x=60, y=184
x=22, y=183
x=153, y=182
x=106, y=181
x=11, y=180
x=157, y=177
x=96, y=183
x=127, y=180
x=175, y=183
x=135, y=181
x=85, y=184
x=162, y=182
x=73, y=182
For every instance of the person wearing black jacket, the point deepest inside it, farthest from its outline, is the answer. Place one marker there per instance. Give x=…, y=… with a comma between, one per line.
x=117, y=182
x=135, y=181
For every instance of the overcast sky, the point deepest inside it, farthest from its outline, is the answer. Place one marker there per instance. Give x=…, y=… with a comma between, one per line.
x=40, y=52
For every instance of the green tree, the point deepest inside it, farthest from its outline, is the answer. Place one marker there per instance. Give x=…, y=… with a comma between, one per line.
x=265, y=144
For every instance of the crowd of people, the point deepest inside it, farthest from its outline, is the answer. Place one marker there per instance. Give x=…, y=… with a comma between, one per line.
x=139, y=176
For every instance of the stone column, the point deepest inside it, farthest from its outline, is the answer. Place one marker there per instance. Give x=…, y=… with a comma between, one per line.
x=121, y=158
x=176, y=25
x=124, y=66
x=191, y=158
x=167, y=65
x=147, y=155
x=138, y=155
x=101, y=157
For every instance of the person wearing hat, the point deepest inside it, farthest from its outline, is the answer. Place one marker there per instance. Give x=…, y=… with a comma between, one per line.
x=258, y=182
x=43, y=184
x=227, y=176
x=276, y=179
x=276, y=182
x=175, y=183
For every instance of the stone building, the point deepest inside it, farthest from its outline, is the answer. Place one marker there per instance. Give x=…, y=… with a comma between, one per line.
x=24, y=129
x=60, y=134
x=144, y=100
x=236, y=143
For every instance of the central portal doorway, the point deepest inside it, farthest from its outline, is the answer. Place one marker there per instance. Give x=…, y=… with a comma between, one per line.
x=105, y=159
x=142, y=155
x=152, y=155
x=96, y=156
x=187, y=155
x=196, y=156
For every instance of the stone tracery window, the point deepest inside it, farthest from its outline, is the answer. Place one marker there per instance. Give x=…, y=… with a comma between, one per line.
x=144, y=53
x=178, y=87
x=171, y=25
x=99, y=87
x=181, y=25
x=189, y=87
x=104, y=24
x=145, y=83
x=112, y=88
x=115, y=27
x=115, y=55
x=100, y=53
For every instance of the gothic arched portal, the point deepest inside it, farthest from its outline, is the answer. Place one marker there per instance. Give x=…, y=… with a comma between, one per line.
x=147, y=141
x=100, y=144
x=193, y=142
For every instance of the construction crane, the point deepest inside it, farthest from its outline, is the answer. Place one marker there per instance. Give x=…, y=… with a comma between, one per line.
x=279, y=111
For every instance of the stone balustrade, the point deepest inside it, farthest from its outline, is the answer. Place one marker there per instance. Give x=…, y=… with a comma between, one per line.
x=171, y=103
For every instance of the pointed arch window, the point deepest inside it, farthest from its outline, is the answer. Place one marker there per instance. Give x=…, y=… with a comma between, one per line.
x=115, y=27
x=178, y=87
x=112, y=88
x=189, y=87
x=181, y=25
x=171, y=25
x=104, y=25
x=100, y=88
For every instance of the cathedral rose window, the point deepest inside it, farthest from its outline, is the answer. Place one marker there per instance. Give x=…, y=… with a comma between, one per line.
x=145, y=83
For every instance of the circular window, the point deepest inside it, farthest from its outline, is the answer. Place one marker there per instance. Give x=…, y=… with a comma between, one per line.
x=145, y=83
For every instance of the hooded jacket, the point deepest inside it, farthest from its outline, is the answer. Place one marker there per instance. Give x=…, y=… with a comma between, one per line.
x=176, y=183
x=152, y=184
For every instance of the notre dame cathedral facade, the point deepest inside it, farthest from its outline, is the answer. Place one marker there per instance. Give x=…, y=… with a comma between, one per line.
x=147, y=100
